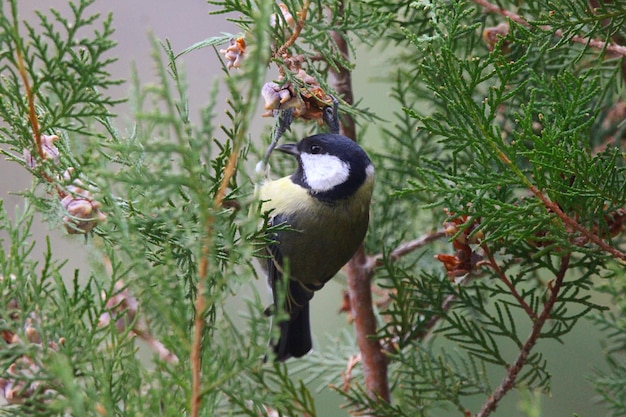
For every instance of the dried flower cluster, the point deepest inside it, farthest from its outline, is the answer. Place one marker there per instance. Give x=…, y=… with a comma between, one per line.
x=19, y=382
x=235, y=52
x=304, y=94
x=301, y=93
x=82, y=212
x=615, y=221
x=465, y=231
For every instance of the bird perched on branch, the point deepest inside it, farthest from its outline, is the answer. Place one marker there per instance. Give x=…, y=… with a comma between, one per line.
x=325, y=206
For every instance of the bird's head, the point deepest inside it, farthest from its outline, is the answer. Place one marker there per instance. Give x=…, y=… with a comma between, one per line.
x=330, y=166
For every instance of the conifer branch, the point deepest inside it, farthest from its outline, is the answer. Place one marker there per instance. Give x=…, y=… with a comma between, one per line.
x=32, y=114
x=569, y=221
x=555, y=208
x=167, y=217
x=200, y=302
x=294, y=36
x=595, y=43
x=515, y=368
x=494, y=265
x=358, y=268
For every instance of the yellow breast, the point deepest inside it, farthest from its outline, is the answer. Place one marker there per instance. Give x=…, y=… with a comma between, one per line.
x=326, y=234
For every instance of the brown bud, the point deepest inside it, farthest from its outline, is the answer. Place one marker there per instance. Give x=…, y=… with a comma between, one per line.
x=32, y=335
x=492, y=35
x=83, y=213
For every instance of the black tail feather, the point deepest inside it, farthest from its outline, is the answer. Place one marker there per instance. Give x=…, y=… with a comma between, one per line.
x=295, y=336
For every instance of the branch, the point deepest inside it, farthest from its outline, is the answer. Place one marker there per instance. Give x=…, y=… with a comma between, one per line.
x=32, y=114
x=200, y=303
x=32, y=117
x=595, y=43
x=164, y=353
x=343, y=78
x=513, y=370
x=576, y=226
x=294, y=36
x=493, y=264
x=407, y=247
x=374, y=361
x=358, y=269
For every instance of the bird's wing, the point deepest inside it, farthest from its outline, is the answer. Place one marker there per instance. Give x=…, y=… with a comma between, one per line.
x=297, y=293
x=295, y=332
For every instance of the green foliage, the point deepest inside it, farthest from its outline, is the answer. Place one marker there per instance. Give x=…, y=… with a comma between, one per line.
x=68, y=70
x=500, y=127
x=512, y=145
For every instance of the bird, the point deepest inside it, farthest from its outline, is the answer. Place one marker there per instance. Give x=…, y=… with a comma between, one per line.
x=325, y=207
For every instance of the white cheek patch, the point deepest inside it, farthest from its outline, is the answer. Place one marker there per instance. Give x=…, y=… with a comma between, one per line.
x=324, y=172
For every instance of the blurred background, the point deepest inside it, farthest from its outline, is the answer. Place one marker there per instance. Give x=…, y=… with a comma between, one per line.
x=185, y=23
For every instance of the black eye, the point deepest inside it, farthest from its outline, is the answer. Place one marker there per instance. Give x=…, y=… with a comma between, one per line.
x=315, y=149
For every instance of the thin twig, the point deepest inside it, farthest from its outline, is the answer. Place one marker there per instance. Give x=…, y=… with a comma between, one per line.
x=494, y=265
x=294, y=36
x=200, y=303
x=196, y=348
x=595, y=43
x=34, y=121
x=407, y=247
x=576, y=226
x=347, y=374
x=32, y=114
x=164, y=353
x=358, y=269
x=514, y=369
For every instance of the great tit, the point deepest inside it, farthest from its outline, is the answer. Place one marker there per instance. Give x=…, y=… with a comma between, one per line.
x=325, y=205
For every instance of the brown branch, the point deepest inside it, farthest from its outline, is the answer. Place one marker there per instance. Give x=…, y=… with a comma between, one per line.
x=343, y=78
x=616, y=37
x=407, y=247
x=196, y=348
x=358, y=269
x=595, y=43
x=493, y=264
x=592, y=237
x=34, y=121
x=294, y=36
x=200, y=302
x=32, y=114
x=515, y=368
x=373, y=359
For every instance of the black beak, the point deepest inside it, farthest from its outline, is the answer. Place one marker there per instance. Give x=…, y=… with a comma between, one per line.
x=290, y=148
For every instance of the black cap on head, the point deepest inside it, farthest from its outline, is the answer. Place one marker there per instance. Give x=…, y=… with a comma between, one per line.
x=342, y=147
